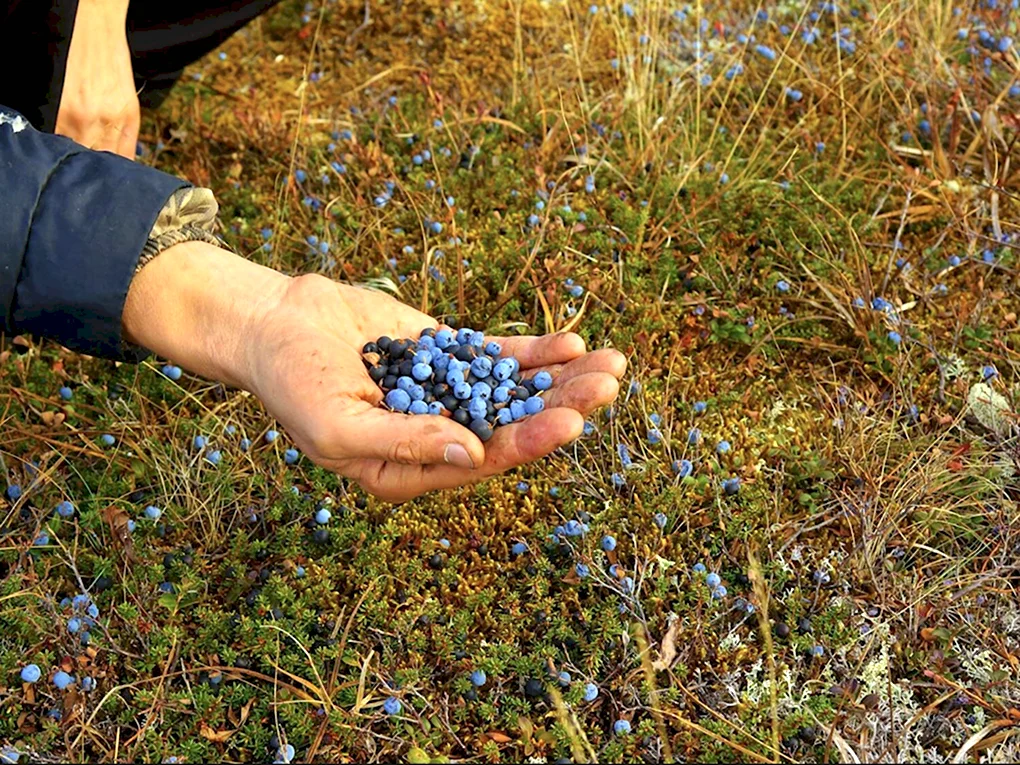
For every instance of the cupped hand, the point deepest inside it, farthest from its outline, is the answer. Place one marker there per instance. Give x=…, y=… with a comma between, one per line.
x=99, y=105
x=306, y=367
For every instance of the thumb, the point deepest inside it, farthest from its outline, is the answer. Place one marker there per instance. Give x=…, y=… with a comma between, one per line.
x=411, y=439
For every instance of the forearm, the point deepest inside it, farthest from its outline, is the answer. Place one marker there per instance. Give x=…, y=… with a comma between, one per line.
x=114, y=9
x=197, y=304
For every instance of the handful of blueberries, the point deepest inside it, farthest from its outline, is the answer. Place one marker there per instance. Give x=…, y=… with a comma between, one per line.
x=460, y=375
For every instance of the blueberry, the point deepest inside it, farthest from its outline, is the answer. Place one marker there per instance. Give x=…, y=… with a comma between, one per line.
x=31, y=673
x=543, y=381
x=418, y=407
x=719, y=592
x=285, y=754
x=245, y=444
x=153, y=513
x=462, y=391
x=73, y=624
x=291, y=456
x=503, y=370
x=398, y=400
x=504, y=416
x=13, y=492
x=582, y=570
x=988, y=372
x=66, y=393
x=214, y=457
x=62, y=680
x=444, y=338
x=534, y=405
x=198, y=443
x=722, y=447
x=591, y=692
x=564, y=676
x=660, y=520
x=817, y=651
x=299, y=572
x=322, y=516
x=481, y=390
x=271, y=435
x=731, y=485
x=107, y=440
x=519, y=548
x=700, y=407
x=421, y=372
x=683, y=468
x=65, y=509
x=478, y=678
x=481, y=428
x=694, y=436
x=517, y=410
x=621, y=727
x=534, y=688
x=481, y=367
x=894, y=337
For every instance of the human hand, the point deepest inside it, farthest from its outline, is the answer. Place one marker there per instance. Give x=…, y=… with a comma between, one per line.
x=99, y=105
x=296, y=343
x=306, y=368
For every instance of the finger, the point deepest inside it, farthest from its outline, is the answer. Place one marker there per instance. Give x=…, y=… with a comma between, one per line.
x=608, y=360
x=406, y=439
x=511, y=446
x=532, y=351
x=584, y=393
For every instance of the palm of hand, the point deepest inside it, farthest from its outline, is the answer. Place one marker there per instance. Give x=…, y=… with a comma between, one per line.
x=316, y=385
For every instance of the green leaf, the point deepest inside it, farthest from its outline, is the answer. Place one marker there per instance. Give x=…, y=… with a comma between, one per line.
x=417, y=756
x=169, y=601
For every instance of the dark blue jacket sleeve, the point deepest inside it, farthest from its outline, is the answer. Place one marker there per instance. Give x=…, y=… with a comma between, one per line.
x=72, y=225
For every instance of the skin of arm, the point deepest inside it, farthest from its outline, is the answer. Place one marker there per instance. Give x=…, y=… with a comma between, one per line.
x=295, y=342
x=98, y=104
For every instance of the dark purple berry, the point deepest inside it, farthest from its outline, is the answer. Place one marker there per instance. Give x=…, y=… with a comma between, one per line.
x=370, y=348
x=461, y=416
x=383, y=343
x=481, y=428
x=377, y=373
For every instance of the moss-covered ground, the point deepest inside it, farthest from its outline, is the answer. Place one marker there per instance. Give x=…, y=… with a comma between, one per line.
x=799, y=222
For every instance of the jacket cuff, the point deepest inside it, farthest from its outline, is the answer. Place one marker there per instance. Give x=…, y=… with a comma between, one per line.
x=91, y=221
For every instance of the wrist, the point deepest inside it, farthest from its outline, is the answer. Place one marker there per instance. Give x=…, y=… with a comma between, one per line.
x=200, y=306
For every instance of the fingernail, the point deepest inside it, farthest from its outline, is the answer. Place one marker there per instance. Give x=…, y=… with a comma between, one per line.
x=458, y=456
